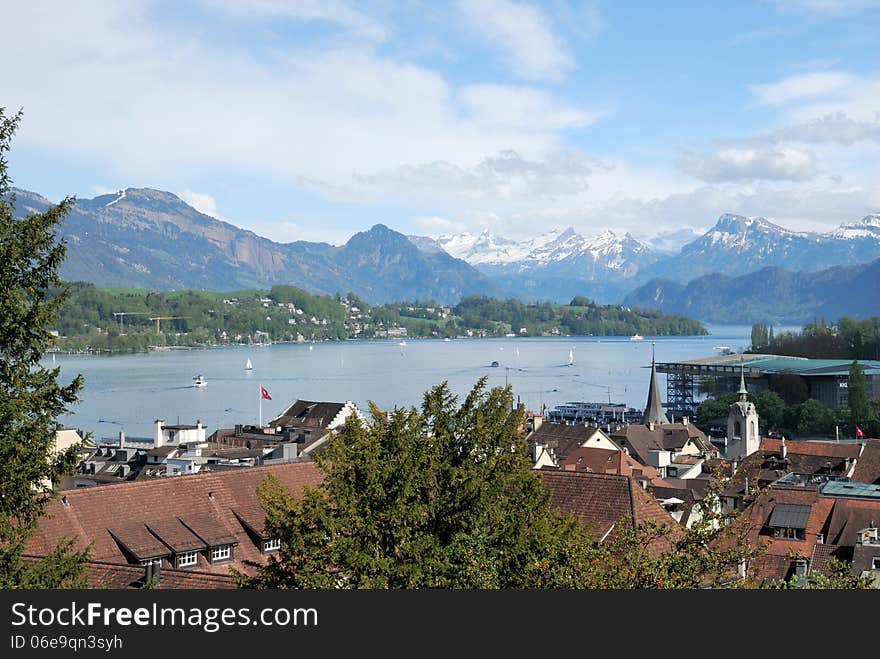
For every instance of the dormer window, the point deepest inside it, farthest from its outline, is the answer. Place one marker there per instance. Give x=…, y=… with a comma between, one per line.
x=271, y=545
x=187, y=559
x=221, y=554
x=789, y=522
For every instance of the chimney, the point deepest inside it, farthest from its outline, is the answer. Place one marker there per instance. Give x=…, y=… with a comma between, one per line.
x=158, y=437
x=783, y=449
x=651, y=426
x=746, y=489
x=733, y=466
x=121, y=439
x=684, y=421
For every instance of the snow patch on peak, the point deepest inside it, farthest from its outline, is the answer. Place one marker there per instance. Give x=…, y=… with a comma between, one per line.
x=121, y=195
x=867, y=227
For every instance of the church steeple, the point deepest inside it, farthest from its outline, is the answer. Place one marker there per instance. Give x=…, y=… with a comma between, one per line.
x=654, y=407
x=743, y=392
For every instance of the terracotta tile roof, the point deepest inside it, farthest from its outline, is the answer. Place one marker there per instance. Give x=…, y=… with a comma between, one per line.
x=308, y=413
x=851, y=516
x=696, y=486
x=176, y=535
x=606, y=461
x=138, y=541
x=602, y=501
x=208, y=529
x=640, y=439
x=759, y=513
x=103, y=574
x=561, y=438
x=763, y=467
x=822, y=553
x=767, y=568
x=863, y=557
x=868, y=465
x=829, y=449
x=92, y=512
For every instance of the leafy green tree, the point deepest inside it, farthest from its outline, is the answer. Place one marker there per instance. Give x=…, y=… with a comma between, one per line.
x=31, y=398
x=858, y=399
x=770, y=408
x=441, y=497
x=837, y=576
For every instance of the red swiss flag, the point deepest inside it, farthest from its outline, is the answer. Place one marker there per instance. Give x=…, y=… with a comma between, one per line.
x=264, y=393
x=859, y=432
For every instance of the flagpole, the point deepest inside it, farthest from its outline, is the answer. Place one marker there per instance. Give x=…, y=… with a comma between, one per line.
x=260, y=396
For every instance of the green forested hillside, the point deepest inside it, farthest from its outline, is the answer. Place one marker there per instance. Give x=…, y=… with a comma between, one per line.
x=121, y=320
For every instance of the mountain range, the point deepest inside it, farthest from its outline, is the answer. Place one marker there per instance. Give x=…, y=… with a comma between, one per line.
x=147, y=238
x=771, y=294
x=139, y=237
x=605, y=267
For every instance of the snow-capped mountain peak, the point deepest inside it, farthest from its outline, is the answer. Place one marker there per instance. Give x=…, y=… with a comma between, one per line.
x=606, y=249
x=867, y=227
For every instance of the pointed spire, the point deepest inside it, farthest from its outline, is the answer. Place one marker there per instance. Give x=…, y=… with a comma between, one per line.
x=654, y=407
x=743, y=392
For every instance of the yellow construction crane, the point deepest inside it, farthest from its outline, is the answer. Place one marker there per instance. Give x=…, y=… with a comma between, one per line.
x=120, y=316
x=158, y=318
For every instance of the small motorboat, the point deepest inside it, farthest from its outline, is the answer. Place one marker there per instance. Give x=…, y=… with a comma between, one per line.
x=494, y=364
x=200, y=381
x=636, y=337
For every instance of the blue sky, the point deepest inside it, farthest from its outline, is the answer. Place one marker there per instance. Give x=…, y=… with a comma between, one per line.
x=309, y=119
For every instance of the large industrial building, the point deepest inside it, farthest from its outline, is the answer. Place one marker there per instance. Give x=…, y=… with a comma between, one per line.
x=822, y=379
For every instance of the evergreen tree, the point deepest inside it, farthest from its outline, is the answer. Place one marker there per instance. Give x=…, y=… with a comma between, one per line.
x=31, y=399
x=441, y=497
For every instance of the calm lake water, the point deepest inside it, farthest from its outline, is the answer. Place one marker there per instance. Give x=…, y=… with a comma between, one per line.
x=130, y=391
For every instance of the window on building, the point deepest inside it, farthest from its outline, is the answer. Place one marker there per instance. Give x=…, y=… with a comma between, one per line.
x=221, y=553
x=272, y=545
x=875, y=563
x=737, y=429
x=789, y=533
x=187, y=558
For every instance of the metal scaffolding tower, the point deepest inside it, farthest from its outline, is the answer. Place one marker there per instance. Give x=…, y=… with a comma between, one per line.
x=680, y=395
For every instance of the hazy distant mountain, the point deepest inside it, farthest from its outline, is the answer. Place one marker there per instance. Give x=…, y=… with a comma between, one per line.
x=152, y=239
x=768, y=295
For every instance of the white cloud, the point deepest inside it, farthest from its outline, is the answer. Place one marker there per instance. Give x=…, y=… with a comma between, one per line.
x=801, y=206
x=523, y=34
x=150, y=105
x=799, y=87
x=504, y=175
x=811, y=96
x=439, y=225
x=203, y=203
x=102, y=190
x=827, y=7
x=336, y=12
x=744, y=163
x=523, y=108
x=837, y=128
x=319, y=230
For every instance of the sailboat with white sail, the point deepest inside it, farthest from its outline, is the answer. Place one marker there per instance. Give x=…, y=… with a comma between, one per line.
x=248, y=366
x=571, y=357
